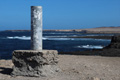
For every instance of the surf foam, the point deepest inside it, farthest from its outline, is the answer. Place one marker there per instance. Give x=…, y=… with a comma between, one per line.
x=91, y=46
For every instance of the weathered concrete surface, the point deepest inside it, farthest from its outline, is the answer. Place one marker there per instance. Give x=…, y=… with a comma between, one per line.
x=35, y=63
x=36, y=28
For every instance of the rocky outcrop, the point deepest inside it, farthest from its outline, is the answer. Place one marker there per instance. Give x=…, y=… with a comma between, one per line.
x=113, y=49
x=35, y=63
x=115, y=43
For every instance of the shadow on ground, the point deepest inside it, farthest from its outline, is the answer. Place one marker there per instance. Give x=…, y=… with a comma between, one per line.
x=112, y=52
x=6, y=71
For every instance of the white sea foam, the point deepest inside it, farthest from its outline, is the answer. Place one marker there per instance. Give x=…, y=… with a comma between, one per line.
x=74, y=35
x=103, y=39
x=56, y=38
x=22, y=37
x=58, y=33
x=44, y=38
x=91, y=46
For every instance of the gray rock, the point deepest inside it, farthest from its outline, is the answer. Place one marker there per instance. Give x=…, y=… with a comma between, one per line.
x=113, y=49
x=115, y=42
x=35, y=63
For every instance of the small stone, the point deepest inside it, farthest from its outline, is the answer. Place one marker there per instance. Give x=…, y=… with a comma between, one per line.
x=95, y=78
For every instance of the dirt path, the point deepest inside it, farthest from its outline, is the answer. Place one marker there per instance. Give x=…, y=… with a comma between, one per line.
x=74, y=68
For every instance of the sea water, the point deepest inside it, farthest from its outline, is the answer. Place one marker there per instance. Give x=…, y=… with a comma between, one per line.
x=61, y=41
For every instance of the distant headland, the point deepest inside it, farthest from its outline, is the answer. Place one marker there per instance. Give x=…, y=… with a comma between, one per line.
x=90, y=30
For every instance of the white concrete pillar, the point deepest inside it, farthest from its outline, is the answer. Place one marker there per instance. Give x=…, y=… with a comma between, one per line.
x=36, y=28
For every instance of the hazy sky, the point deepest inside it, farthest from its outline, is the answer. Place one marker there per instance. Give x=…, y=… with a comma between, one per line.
x=60, y=14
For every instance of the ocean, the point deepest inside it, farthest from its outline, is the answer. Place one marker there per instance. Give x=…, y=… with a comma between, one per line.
x=52, y=40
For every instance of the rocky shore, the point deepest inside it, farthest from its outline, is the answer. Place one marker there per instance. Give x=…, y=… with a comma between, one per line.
x=101, y=64
x=112, y=50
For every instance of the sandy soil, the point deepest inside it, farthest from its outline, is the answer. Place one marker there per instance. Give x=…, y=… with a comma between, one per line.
x=95, y=30
x=74, y=68
x=104, y=30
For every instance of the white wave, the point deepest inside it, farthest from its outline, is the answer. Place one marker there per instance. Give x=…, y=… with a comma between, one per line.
x=44, y=38
x=74, y=35
x=65, y=38
x=91, y=46
x=55, y=38
x=53, y=33
x=22, y=37
x=59, y=33
x=103, y=39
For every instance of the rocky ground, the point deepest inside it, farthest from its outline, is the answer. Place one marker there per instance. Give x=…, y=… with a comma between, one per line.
x=74, y=67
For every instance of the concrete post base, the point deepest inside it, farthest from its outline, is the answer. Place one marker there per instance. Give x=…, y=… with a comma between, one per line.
x=35, y=63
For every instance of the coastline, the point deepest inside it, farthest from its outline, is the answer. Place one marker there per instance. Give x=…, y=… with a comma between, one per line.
x=99, y=30
x=101, y=64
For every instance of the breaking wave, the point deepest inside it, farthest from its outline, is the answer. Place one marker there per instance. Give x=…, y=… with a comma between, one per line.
x=57, y=33
x=91, y=46
x=22, y=38
x=56, y=38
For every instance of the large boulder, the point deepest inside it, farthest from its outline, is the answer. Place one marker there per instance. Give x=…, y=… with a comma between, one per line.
x=113, y=49
x=115, y=42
